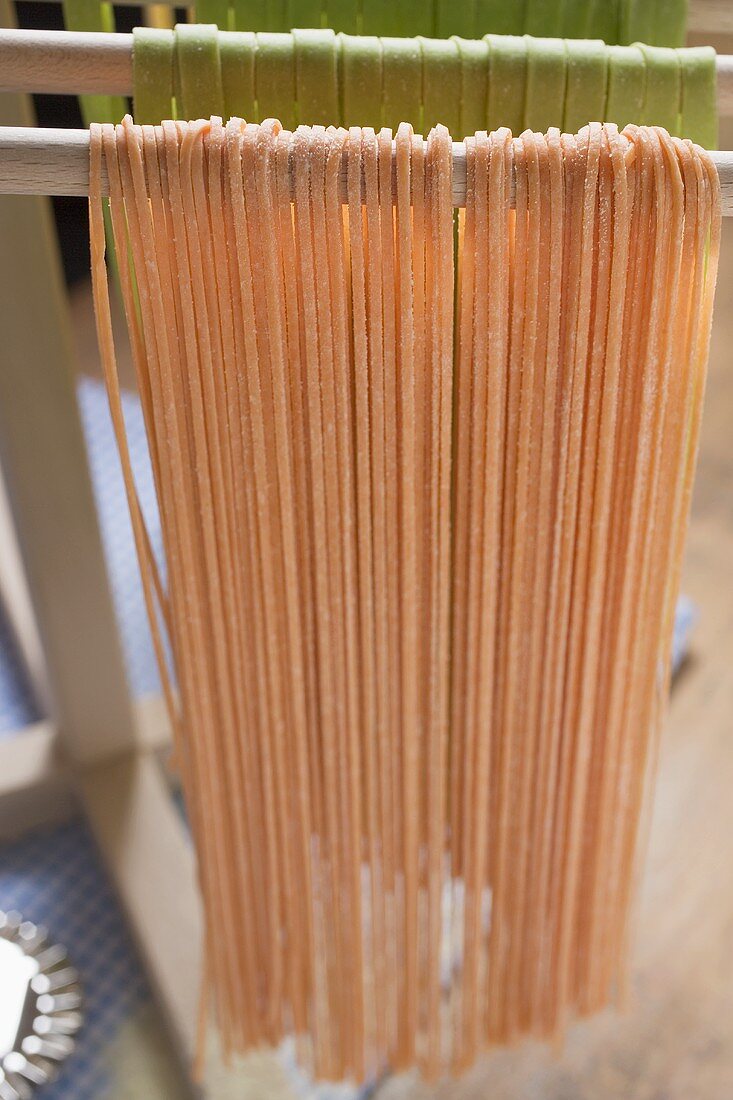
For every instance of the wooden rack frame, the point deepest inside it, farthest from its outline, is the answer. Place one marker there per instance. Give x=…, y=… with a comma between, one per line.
x=56, y=162
x=100, y=748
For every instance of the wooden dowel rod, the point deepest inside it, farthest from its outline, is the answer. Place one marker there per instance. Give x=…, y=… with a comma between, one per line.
x=65, y=62
x=37, y=161
x=82, y=62
x=56, y=162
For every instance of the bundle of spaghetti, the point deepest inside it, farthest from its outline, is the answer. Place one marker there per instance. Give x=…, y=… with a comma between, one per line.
x=420, y=582
x=580, y=376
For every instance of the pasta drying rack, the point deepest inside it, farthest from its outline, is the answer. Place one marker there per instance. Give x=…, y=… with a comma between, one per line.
x=102, y=746
x=56, y=162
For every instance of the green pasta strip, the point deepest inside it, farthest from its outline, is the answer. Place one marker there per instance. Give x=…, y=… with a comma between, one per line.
x=316, y=77
x=213, y=11
x=499, y=17
x=657, y=22
x=276, y=16
x=253, y=15
x=543, y=17
x=88, y=15
x=670, y=25
x=585, y=93
x=636, y=21
x=237, y=56
x=663, y=87
x=420, y=17
x=275, y=78
x=507, y=81
x=575, y=20
x=604, y=20
x=546, y=77
x=92, y=15
x=361, y=80
x=474, y=57
x=441, y=81
x=152, y=75
x=303, y=13
x=393, y=19
x=199, y=71
x=401, y=82
x=342, y=16
x=454, y=17
x=699, y=101
x=626, y=85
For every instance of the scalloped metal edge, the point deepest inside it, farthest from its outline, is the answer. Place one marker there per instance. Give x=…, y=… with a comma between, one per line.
x=57, y=1012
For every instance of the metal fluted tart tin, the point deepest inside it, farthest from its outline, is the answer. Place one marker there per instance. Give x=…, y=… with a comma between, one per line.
x=40, y=1007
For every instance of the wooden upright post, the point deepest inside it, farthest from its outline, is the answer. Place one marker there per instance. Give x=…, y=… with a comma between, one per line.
x=45, y=468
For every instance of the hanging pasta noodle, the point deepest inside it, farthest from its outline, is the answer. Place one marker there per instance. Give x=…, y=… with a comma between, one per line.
x=662, y=22
x=419, y=598
x=319, y=76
